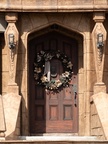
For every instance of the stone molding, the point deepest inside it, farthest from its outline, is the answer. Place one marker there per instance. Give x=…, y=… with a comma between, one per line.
x=99, y=17
x=54, y=6
x=11, y=17
x=99, y=53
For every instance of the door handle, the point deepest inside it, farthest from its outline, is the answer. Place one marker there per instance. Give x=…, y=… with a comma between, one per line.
x=75, y=99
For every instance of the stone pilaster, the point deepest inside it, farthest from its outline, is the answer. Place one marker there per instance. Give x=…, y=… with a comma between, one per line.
x=11, y=18
x=99, y=52
x=2, y=120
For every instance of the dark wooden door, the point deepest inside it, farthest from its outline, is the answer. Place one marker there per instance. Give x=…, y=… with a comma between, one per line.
x=53, y=112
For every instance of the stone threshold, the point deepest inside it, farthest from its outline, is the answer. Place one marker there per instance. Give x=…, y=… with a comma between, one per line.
x=54, y=134
x=2, y=138
x=58, y=138
x=55, y=140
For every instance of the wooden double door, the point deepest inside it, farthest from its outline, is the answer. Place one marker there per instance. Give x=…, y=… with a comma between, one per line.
x=53, y=112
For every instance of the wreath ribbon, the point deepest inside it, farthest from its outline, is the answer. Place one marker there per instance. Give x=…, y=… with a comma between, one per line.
x=47, y=70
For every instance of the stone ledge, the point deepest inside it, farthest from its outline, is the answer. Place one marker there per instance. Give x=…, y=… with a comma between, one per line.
x=56, y=8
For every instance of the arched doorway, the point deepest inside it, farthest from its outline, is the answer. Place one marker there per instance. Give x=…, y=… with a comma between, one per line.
x=53, y=112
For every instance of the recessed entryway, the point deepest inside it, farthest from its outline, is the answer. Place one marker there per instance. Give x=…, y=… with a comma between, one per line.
x=54, y=111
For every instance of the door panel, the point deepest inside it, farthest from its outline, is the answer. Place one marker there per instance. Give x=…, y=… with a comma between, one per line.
x=53, y=111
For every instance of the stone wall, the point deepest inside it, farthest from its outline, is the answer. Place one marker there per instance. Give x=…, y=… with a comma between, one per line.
x=80, y=25
x=32, y=23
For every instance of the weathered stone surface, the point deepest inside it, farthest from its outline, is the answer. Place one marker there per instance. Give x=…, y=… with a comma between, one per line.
x=11, y=104
x=101, y=103
x=81, y=114
x=90, y=65
x=99, y=87
x=79, y=26
x=2, y=116
x=68, y=20
x=96, y=127
x=13, y=89
x=22, y=79
x=11, y=17
x=100, y=2
x=89, y=48
x=81, y=83
x=56, y=142
x=5, y=63
x=54, y=6
x=5, y=77
x=91, y=79
x=38, y=20
x=84, y=26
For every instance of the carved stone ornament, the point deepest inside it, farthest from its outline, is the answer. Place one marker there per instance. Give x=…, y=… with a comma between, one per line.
x=99, y=52
x=12, y=53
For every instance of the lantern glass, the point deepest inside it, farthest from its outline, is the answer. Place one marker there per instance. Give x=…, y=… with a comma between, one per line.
x=11, y=38
x=100, y=40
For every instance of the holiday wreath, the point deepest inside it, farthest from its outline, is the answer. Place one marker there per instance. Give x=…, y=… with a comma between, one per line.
x=42, y=59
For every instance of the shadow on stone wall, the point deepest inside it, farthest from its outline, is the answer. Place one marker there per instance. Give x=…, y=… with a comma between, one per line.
x=11, y=105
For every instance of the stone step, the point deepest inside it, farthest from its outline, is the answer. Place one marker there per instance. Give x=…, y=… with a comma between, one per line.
x=55, y=140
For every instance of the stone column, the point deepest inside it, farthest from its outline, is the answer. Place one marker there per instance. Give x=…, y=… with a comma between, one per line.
x=11, y=18
x=99, y=52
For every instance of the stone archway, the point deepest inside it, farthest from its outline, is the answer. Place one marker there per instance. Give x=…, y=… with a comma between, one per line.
x=70, y=35
x=71, y=30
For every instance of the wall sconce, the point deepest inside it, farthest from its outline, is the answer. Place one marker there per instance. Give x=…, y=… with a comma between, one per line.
x=11, y=41
x=100, y=40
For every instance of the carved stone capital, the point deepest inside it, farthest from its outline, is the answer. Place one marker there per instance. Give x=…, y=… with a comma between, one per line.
x=99, y=17
x=11, y=17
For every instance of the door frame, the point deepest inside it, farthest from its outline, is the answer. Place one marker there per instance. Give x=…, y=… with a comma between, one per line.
x=76, y=36
x=74, y=51
x=84, y=94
